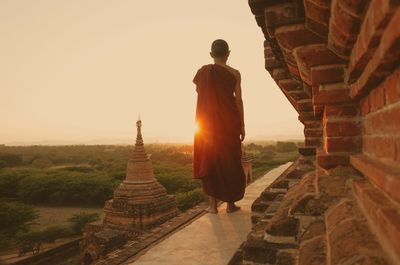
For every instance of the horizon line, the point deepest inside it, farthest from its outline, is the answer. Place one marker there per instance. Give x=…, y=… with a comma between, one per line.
x=123, y=142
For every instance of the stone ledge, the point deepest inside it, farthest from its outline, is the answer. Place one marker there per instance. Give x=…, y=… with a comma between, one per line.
x=330, y=160
x=309, y=227
x=131, y=250
x=307, y=151
x=274, y=236
x=383, y=216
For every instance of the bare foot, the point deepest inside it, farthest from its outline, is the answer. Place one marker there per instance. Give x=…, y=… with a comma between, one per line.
x=231, y=208
x=212, y=210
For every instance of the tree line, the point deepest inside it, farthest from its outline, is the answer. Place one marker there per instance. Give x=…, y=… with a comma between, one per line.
x=88, y=175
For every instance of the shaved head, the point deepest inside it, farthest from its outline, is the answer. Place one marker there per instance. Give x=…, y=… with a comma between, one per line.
x=219, y=48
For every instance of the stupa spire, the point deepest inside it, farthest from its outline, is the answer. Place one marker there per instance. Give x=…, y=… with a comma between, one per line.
x=139, y=167
x=139, y=153
x=139, y=139
x=140, y=202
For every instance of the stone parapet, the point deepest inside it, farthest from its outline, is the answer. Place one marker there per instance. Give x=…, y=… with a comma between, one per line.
x=309, y=216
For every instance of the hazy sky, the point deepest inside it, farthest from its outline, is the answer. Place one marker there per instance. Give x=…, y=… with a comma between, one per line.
x=82, y=71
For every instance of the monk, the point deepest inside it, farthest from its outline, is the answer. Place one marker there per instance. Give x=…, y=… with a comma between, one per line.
x=220, y=121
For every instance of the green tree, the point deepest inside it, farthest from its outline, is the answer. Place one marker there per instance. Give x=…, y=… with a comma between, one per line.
x=79, y=221
x=67, y=188
x=187, y=200
x=14, y=217
x=286, y=147
x=33, y=240
x=10, y=160
x=10, y=179
x=42, y=162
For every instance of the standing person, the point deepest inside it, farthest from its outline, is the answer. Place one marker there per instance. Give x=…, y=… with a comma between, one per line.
x=220, y=122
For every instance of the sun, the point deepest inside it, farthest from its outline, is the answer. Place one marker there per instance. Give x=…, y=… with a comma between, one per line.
x=197, y=128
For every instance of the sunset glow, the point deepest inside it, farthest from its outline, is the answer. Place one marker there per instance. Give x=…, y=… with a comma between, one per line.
x=81, y=72
x=197, y=128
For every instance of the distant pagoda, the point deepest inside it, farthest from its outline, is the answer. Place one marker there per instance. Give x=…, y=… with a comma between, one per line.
x=140, y=201
x=247, y=164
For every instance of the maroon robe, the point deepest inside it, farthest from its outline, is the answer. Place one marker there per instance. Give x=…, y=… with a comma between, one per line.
x=217, y=145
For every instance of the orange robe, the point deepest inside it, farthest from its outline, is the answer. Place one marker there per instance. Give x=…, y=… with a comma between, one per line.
x=217, y=145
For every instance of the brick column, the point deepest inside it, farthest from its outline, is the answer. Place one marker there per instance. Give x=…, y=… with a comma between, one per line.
x=341, y=135
x=340, y=122
x=312, y=133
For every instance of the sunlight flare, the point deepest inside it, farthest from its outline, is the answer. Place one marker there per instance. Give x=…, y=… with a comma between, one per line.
x=197, y=127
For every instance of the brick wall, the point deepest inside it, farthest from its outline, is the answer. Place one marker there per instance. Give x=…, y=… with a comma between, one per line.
x=381, y=120
x=338, y=63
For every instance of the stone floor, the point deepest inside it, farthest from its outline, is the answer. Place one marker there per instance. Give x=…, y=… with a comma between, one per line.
x=213, y=238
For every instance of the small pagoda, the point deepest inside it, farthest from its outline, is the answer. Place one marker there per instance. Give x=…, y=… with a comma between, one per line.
x=140, y=202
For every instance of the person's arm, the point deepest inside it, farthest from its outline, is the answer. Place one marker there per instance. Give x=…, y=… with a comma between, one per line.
x=239, y=104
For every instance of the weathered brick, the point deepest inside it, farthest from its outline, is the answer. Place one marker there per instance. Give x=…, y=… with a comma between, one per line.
x=365, y=106
x=297, y=95
x=380, y=146
x=279, y=74
x=369, y=198
x=338, y=213
x=307, y=89
x=312, y=124
x=341, y=144
x=306, y=116
x=381, y=213
x=374, y=173
x=288, y=57
x=392, y=88
x=355, y=7
x=343, y=27
x=257, y=6
x=377, y=98
x=313, y=55
x=304, y=105
x=268, y=53
x=332, y=73
x=361, y=89
x=271, y=63
x=318, y=110
x=284, y=14
x=293, y=70
x=327, y=161
x=317, y=12
x=379, y=173
x=289, y=85
x=376, y=19
x=389, y=224
x=394, y=187
x=317, y=27
x=384, y=121
x=342, y=111
x=385, y=58
x=344, y=18
x=307, y=151
x=313, y=132
x=312, y=141
x=313, y=251
x=342, y=128
x=345, y=240
x=331, y=94
x=397, y=144
x=292, y=36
